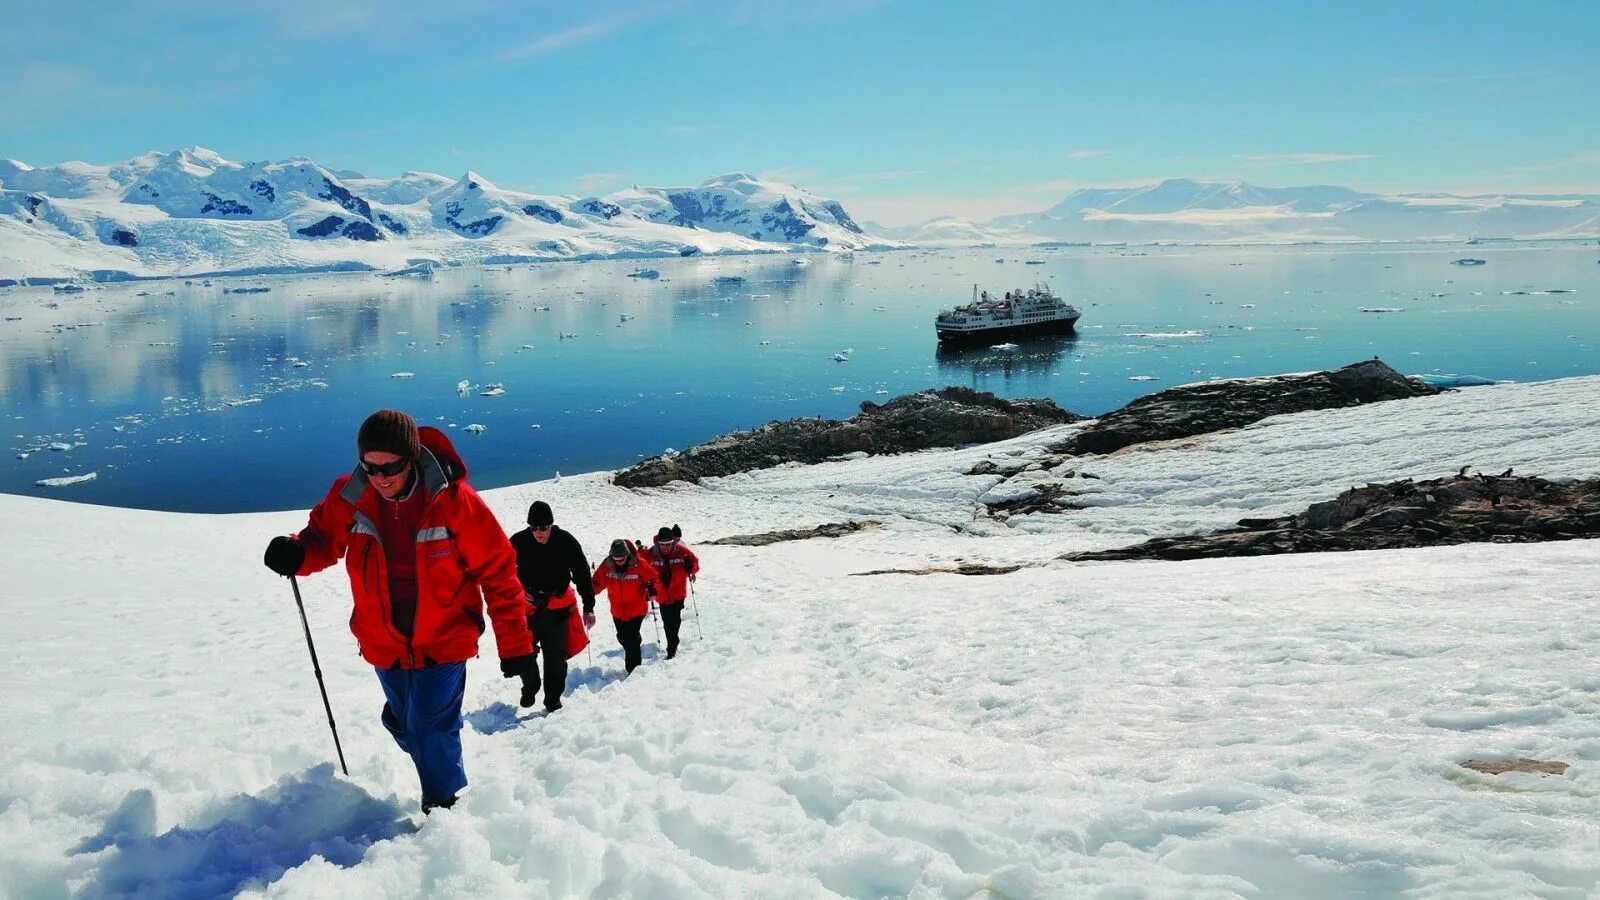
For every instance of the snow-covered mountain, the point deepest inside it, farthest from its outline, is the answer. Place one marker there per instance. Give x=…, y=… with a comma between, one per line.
x=191, y=211
x=1180, y=209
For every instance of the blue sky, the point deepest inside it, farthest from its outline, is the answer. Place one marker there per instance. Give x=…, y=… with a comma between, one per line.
x=904, y=110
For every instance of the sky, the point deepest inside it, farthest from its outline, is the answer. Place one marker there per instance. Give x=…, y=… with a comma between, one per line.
x=902, y=110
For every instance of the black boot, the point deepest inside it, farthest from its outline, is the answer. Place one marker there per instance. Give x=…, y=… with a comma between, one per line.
x=428, y=806
x=552, y=704
x=530, y=693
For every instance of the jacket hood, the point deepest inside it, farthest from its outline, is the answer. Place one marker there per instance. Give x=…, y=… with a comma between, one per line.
x=435, y=442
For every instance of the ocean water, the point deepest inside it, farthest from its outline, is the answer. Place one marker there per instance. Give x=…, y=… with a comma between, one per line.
x=183, y=397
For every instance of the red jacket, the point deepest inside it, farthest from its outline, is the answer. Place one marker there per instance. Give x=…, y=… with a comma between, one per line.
x=673, y=568
x=631, y=586
x=463, y=561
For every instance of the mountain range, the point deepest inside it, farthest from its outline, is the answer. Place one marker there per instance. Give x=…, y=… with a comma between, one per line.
x=191, y=212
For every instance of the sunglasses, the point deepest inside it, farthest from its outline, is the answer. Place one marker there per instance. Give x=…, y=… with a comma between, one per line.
x=543, y=527
x=387, y=470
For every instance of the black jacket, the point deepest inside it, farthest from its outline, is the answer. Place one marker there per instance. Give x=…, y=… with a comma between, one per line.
x=547, y=569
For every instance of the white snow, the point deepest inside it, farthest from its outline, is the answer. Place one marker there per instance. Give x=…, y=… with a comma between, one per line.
x=191, y=211
x=1282, y=726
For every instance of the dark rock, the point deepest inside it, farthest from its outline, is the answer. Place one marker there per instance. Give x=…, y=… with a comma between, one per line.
x=124, y=237
x=1215, y=405
x=950, y=417
x=362, y=231
x=828, y=530
x=1502, y=766
x=843, y=218
x=541, y=211
x=1454, y=510
x=341, y=195
x=600, y=208
x=321, y=228
x=225, y=207
x=963, y=569
x=782, y=218
x=391, y=223
x=1045, y=497
x=264, y=190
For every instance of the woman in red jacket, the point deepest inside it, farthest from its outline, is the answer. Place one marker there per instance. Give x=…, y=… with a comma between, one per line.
x=630, y=584
x=424, y=555
x=676, y=565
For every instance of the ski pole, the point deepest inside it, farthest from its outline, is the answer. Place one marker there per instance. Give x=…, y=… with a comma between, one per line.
x=317, y=668
x=696, y=604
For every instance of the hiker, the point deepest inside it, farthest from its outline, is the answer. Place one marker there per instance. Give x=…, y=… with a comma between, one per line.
x=550, y=565
x=631, y=584
x=424, y=555
x=676, y=566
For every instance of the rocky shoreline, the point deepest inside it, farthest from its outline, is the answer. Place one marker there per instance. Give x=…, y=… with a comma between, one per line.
x=951, y=417
x=1461, y=509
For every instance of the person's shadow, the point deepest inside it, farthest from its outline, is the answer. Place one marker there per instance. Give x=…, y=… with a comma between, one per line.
x=501, y=716
x=243, y=842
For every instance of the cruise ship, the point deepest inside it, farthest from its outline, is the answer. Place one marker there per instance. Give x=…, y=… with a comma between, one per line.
x=1017, y=313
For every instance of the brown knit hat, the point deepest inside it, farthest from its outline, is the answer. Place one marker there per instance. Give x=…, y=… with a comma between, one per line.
x=389, y=431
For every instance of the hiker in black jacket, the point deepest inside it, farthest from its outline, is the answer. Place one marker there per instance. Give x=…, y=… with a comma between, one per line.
x=554, y=572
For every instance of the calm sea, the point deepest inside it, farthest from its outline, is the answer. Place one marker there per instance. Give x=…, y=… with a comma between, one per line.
x=186, y=397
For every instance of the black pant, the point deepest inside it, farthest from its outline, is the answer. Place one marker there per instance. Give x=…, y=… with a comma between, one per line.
x=628, y=637
x=671, y=617
x=549, y=627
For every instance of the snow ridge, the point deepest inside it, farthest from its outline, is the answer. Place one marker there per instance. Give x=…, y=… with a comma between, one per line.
x=190, y=211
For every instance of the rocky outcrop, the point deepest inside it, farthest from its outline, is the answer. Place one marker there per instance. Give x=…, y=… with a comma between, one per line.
x=962, y=569
x=1215, y=405
x=827, y=530
x=951, y=417
x=1461, y=509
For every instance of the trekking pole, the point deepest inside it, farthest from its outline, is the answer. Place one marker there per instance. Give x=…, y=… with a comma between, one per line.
x=696, y=604
x=655, y=623
x=317, y=668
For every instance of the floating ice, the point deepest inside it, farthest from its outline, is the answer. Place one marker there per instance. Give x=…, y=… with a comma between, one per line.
x=475, y=428
x=403, y=375
x=1142, y=378
x=494, y=389
x=65, y=480
x=59, y=447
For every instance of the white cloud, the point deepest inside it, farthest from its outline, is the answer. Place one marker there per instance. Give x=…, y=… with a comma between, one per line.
x=1302, y=159
x=1591, y=156
x=594, y=181
x=1087, y=154
x=569, y=37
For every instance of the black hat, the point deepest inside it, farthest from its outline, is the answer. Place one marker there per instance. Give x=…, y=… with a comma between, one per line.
x=664, y=535
x=619, y=547
x=539, y=514
x=389, y=431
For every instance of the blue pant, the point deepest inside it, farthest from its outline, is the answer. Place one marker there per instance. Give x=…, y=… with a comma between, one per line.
x=424, y=715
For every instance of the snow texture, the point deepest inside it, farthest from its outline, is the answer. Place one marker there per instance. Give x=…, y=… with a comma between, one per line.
x=1278, y=726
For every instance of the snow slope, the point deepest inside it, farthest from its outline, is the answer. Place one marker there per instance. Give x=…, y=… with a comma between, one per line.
x=1280, y=726
x=191, y=211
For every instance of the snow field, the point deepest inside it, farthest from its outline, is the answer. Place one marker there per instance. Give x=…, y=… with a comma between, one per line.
x=1279, y=726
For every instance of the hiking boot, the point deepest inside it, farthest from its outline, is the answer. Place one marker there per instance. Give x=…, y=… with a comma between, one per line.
x=552, y=705
x=428, y=806
x=530, y=695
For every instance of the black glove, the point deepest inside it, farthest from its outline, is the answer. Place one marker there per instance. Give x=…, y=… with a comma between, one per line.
x=518, y=666
x=588, y=605
x=284, y=555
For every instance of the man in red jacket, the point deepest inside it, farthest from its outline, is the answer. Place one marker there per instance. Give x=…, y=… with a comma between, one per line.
x=676, y=565
x=424, y=554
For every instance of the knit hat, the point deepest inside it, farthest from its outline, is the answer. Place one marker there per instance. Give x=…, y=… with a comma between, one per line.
x=664, y=535
x=539, y=514
x=389, y=431
x=619, y=548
